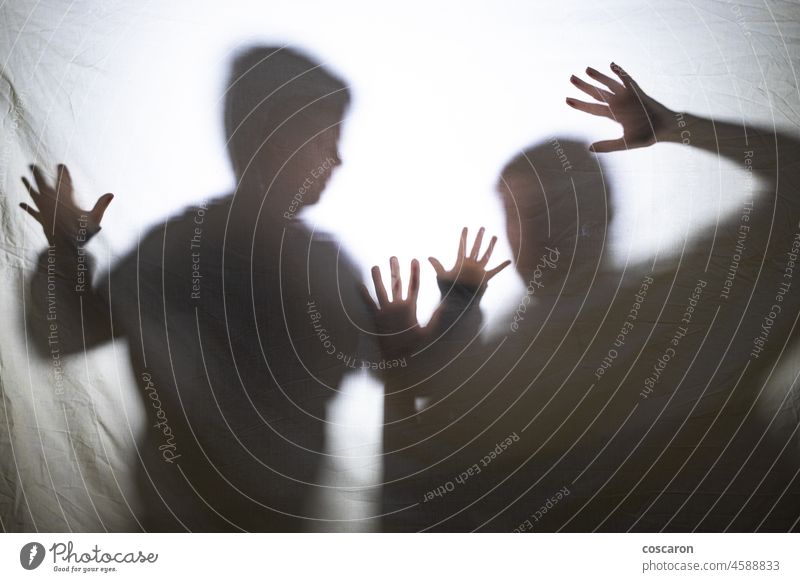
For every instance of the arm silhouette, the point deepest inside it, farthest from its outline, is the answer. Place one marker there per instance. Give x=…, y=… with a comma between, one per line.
x=67, y=315
x=437, y=346
x=645, y=121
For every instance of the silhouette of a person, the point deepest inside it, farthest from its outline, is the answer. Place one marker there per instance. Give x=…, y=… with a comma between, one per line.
x=241, y=320
x=621, y=398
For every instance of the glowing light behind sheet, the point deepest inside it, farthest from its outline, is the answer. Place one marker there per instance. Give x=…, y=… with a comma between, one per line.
x=445, y=93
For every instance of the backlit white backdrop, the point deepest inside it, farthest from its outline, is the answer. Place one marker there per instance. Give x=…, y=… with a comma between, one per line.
x=129, y=95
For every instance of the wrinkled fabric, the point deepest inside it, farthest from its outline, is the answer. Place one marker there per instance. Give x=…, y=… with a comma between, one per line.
x=103, y=87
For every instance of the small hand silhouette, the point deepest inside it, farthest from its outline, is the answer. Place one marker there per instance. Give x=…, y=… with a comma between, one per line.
x=57, y=212
x=469, y=270
x=643, y=119
x=396, y=320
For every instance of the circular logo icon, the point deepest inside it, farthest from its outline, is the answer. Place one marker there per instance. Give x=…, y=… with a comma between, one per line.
x=31, y=555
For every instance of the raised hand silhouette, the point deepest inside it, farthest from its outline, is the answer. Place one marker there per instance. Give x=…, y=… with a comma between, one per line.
x=643, y=119
x=56, y=210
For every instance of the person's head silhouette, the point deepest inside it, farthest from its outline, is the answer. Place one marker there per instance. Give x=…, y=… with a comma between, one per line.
x=554, y=195
x=283, y=113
